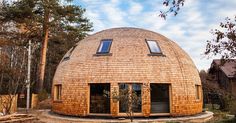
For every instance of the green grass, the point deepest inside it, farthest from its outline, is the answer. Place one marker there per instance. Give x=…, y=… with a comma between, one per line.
x=227, y=121
x=219, y=116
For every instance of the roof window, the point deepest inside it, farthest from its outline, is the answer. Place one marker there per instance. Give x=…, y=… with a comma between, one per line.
x=153, y=47
x=68, y=54
x=104, y=46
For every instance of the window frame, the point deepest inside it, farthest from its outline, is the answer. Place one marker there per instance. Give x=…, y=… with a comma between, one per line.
x=89, y=96
x=57, y=92
x=69, y=53
x=130, y=90
x=153, y=53
x=169, y=98
x=198, y=92
x=109, y=48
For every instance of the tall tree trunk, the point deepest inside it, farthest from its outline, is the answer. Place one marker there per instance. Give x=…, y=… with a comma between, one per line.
x=43, y=50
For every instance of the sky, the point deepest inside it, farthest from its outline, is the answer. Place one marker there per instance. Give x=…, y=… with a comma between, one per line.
x=190, y=29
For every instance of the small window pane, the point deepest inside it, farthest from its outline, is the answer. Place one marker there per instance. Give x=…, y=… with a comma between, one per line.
x=197, y=87
x=154, y=48
x=57, y=92
x=104, y=46
x=68, y=54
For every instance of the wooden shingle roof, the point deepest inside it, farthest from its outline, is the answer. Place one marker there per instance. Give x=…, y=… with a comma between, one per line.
x=229, y=67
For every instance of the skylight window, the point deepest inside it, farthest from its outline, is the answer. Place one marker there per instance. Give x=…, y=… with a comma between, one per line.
x=105, y=46
x=68, y=54
x=153, y=47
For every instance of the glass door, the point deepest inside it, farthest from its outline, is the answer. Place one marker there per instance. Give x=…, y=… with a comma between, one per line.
x=100, y=98
x=160, y=98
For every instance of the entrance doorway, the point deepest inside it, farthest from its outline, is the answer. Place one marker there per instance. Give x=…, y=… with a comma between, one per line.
x=100, y=98
x=160, y=100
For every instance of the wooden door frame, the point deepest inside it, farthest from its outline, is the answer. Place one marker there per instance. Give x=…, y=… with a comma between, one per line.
x=170, y=101
x=88, y=108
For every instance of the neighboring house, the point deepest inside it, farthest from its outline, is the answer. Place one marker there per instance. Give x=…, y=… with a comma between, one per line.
x=5, y=99
x=11, y=62
x=224, y=74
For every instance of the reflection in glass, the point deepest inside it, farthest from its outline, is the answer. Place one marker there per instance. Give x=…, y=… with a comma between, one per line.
x=123, y=94
x=160, y=98
x=104, y=46
x=154, y=48
x=100, y=98
x=137, y=103
x=130, y=97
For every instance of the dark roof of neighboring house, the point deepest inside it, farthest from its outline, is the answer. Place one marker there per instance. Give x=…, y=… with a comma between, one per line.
x=229, y=67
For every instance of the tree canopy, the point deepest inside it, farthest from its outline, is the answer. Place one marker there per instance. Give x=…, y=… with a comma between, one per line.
x=173, y=7
x=43, y=22
x=30, y=15
x=224, y=41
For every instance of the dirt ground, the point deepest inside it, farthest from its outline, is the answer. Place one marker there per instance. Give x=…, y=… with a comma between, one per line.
x=40, y=118
x=46, y=116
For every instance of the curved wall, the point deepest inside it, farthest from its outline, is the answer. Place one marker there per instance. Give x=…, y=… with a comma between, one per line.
x=129, y=61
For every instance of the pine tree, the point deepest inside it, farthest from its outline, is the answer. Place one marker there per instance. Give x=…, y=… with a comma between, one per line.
x=42, y=21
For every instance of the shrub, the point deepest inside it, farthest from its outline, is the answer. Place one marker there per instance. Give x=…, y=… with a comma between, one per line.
x=43, y=95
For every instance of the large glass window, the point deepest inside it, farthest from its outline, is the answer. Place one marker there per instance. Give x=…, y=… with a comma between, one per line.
x=137, y=104
x=130, y=97
x=57, y=92
x=160, y=98
x=105, y=46
x=123, y=97
x=100, y=98
x=153, y=46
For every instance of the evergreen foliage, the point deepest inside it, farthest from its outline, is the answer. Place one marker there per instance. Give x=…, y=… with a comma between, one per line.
x=52, y=26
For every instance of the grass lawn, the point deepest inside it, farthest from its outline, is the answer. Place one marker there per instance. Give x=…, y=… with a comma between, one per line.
x=220, y=116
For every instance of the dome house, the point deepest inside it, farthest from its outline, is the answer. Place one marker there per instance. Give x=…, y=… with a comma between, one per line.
x=161, y=74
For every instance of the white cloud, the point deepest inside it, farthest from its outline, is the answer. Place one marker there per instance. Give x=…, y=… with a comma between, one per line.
x=114, y=15
x=135, y=8
x=226, y=13
x=174, y=31
x=190, y=28
x=147, y=20
x=96, y=19
x=114, y=1
x=105, y=14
